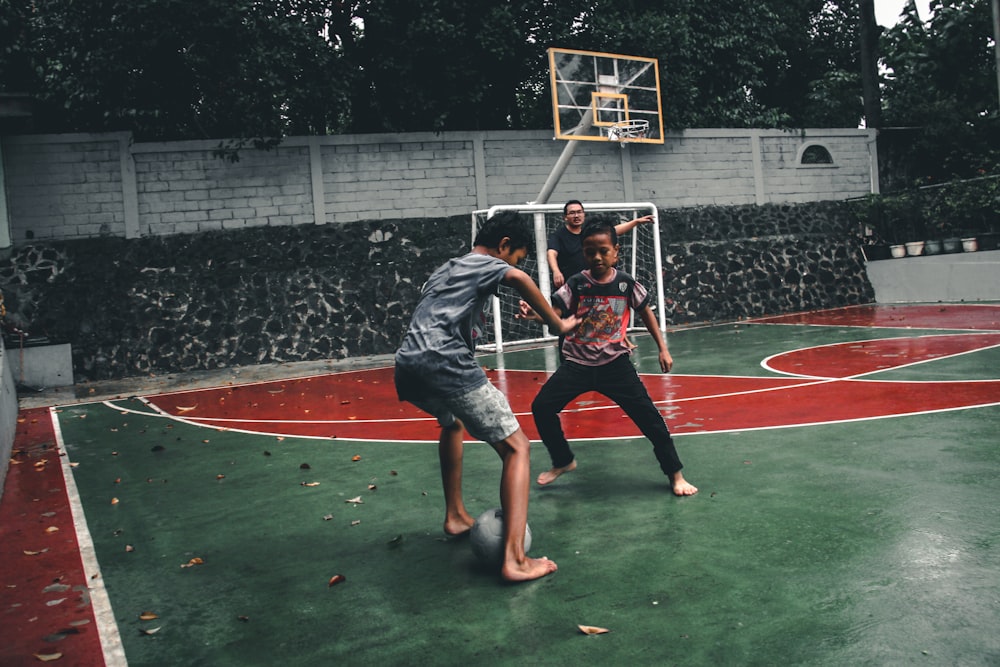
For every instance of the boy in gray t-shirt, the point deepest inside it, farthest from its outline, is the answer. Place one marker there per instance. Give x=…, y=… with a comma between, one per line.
x=436, y=370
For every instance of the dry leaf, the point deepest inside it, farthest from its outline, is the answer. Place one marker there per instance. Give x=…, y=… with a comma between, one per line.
x=150, y=631
x=336, y=579
x=48, y=657
x=327, y=517
x=129, y=548
x=34, y=553
x=147, y=616
x=356, y=457
x=592, y=630
x=310, y=483
x=220, y=477
x=356, y=522
x=51, y=529
x=186, y=409
x=356, y=500
x=114, y=501
x=193, y=562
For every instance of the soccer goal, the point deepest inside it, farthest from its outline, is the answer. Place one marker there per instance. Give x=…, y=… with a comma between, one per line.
x=640, y=257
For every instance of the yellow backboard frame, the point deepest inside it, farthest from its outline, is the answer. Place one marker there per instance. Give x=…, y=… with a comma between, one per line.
x=592, y=91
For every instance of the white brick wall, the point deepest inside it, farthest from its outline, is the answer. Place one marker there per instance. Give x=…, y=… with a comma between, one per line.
x=78, y=186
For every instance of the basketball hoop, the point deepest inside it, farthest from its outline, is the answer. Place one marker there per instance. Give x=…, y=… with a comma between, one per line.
x=627, y=130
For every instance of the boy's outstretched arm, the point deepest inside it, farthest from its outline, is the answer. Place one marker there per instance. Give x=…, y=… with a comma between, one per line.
x=523, y=283
x=653, y=327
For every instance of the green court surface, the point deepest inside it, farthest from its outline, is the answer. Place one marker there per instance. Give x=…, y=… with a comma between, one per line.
x=869, y=542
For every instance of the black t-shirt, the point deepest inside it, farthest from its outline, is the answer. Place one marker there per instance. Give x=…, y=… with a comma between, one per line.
x=570, y=248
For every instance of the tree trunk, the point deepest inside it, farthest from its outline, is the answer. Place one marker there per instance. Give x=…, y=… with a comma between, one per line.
x=869, y=32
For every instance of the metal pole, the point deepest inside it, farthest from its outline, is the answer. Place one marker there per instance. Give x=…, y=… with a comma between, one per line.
x=560, y=166
x=996, y=46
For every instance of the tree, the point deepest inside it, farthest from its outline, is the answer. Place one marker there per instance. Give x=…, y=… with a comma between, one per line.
x=941, y=80
x=172, y=69
x=243, y=69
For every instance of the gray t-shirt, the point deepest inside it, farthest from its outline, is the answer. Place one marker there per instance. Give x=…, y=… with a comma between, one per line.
x=437, y=357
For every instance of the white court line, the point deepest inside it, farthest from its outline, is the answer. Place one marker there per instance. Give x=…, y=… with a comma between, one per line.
x=107, y=626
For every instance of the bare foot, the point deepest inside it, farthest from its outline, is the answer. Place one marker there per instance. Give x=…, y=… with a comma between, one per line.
x=550, y=476
x=458, y=525
x=531, y=568
x=682, y=487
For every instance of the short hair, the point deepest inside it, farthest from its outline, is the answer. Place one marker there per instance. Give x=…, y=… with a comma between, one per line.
x=600, y=225
x=508, y=224
x=570, y=203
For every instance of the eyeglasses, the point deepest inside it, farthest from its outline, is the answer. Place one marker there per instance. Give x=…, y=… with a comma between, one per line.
x=574, y=213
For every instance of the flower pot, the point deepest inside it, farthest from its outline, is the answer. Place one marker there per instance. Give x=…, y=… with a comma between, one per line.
x=914, y=248
x=953, y=244
x=932, y=247
x=988, y=241
x=970, y=245
x=898, y=251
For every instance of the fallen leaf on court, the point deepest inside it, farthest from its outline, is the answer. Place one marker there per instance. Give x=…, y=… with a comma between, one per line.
x=356, y=522
x=114, y=501
x=336, y=579
x=48, y=657
x=327, y=517
x=193, y=562
x=592, y=630
x=147, y=616
x=243, y=618
x=186, y=408
x=356, y=457
x=393, y=473
x=220, y=477
x=129, y=548
x=74, y=465
x=372, y=487
x=51, y=529
x=305, y=466
x=310, y=483
x=149, y=631
x=356, y=500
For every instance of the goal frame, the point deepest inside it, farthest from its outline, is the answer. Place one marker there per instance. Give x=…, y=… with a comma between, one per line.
x=538, y=213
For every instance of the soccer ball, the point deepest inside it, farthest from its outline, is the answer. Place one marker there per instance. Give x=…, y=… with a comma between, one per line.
x=486, y=537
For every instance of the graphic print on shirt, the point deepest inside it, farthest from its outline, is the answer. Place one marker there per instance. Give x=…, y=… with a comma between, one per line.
x=605, y=319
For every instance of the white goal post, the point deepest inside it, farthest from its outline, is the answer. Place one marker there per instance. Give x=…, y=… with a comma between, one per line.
x=640, y=257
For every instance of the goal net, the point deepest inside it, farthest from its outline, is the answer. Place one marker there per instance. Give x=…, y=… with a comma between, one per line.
x=639, y=256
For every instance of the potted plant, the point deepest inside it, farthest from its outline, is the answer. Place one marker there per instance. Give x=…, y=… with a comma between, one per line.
x=894, y=220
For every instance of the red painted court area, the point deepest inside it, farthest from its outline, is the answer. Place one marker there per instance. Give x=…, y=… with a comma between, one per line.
x=815, y=385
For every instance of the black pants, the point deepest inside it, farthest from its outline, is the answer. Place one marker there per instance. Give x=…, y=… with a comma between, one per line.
x=619, y=382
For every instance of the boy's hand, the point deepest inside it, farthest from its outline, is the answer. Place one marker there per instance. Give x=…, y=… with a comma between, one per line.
x=568, y=324
x=526, y=312
x=666, y=361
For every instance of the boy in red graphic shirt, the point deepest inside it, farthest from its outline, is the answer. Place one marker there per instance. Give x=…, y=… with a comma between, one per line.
x=596, y=356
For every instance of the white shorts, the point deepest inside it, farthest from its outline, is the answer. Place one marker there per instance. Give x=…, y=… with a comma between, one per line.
x=484, y=412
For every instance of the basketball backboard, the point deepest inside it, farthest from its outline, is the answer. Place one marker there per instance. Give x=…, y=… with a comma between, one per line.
x=605, y=97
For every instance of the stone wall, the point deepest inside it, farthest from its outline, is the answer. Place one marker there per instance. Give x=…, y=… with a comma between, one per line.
x=133, y=307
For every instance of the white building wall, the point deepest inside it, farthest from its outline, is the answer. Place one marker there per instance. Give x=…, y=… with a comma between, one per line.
x=86, y=185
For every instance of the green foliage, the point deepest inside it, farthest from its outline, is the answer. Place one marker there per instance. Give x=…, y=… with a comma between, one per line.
x=251, y=71
x=173, y=69
x=959, y=208
x=941, y=78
